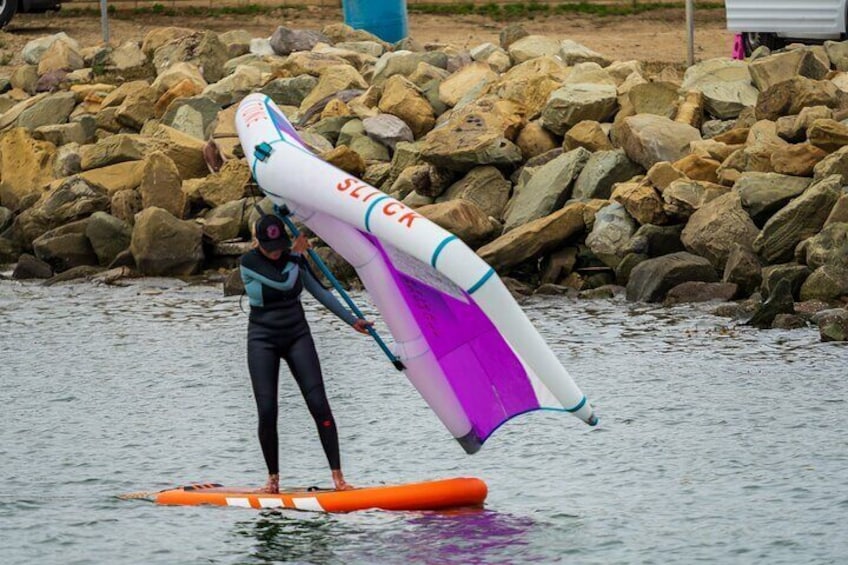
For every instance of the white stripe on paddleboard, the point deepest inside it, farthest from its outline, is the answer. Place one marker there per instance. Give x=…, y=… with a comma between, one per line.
x=271, y=502
x=307, y=503
x=242, y=502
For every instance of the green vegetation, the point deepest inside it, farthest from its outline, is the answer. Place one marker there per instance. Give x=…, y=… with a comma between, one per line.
x=530, y=9
x=497, y=11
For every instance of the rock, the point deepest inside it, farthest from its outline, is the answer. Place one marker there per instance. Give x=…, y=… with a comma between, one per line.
x=402, y=98
x=160, y=36
x=828, y=135
x=137, y=108
x=611, y=234
x=462, y=218
x=233, y=87
x=285, y=40
x=178, y=73
x=65, y=247
x=535, y=140
x=651, y=279
x=344, y=158
x=108, y=236
x=828, y=282
x=657, y=98
x=127, y=59
x=114, y=149
x=510, y=34
x=225, y=222
x=534, y=239
x=573, y=53
x=31, y=267
x=803, y=217
x=698, y=168
x=839, y=214
x=794, y=273
x=725, y=84
x=683, y=197
x=558, y=265
x=588, y=134
x=62, y=134
x=654, y=241
x=828, y=247
x=185, y=150
x=484, y=186
x=290, y=91
x=649, y=139
x=53, y=109
x=236, y=41
x=227, y=185
x=387, y=129
x=201, y=48
x=477, y=134
x=26, y=165
x=531, y=84
x=763, y=194
x=713, y=230
x=547, y=190
x=34, y=50
x=164, y=245
x=126, y=204
x=791, y=96
x=696, y=291
x=798, y=160
x=192, y=116
x=531, y=47
x=834, y=164
x=641, y=201
x=573, y=103
x=662, y=174
x=834, y=326
x=472, y=77
x=114, y=178
x=67, y=160
x=603, y=170
x=744, y=269
x=769, y=71
x=779, y=302
x=60, y=56
x=334, y=79
x=161, y=185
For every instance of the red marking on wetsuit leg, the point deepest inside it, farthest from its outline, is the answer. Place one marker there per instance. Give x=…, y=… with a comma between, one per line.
x=327, y=423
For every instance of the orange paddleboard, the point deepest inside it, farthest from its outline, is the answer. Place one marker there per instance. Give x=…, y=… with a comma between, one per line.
x=430, y=495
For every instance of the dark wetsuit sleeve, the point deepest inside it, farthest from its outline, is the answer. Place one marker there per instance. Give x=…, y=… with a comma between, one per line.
x=326, y=297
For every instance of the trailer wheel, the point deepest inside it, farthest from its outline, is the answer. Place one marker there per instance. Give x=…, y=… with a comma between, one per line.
x=7, y=11
x=752, y=40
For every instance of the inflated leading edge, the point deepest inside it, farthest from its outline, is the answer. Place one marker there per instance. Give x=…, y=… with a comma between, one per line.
x=467, y=346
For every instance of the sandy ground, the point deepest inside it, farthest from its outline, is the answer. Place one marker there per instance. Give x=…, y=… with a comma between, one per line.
x=657, y=36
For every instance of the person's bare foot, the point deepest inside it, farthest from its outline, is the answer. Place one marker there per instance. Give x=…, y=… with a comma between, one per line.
x=272, y=486
x=339, y=481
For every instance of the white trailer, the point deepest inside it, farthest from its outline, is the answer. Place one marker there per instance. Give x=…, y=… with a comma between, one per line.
x=774, y=23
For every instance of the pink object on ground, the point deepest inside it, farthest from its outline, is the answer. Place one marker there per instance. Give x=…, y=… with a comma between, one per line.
x=738, y=47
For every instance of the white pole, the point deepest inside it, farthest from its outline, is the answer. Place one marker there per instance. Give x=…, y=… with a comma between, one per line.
x=104, y=21
x=690, y=32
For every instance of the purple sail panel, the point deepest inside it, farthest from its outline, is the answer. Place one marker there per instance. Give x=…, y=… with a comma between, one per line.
x=484, y=373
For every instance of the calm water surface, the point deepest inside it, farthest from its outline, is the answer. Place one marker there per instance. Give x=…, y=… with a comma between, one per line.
x=717, y=443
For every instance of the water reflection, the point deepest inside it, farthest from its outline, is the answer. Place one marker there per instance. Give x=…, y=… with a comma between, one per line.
x=460, y=536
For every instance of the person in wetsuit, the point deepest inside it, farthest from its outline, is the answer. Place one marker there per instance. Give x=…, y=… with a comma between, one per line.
x=274, y=274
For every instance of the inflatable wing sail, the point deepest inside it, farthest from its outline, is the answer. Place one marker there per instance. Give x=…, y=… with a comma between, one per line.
x=467, y=347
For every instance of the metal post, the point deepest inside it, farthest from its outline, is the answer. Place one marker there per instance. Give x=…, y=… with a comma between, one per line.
x=690, y=32
x=104, y=21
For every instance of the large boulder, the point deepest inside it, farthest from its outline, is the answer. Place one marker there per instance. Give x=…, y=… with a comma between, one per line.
x=532, y=47
x=547, y=190
x=535, y=238
x=387, y=129
x=725, y=84
x=743, y=268
x=833, y=326
x=603, y=170
x=763, y=194
x=803, y=217
x=462, y=218
x=574, y=103
x=403, y=99
x=290, y=91
x=649, y=139
x=193, y=116
x=789, y=97
x=828, y=282
x=70, y=200
x=114, y=149
x=65, y=247
x=285, y=41
x=642, y=201
x=828, y=135
x=484, y=186
x=108, y=236
x=715, y=228
x=163, y=245
x=682, y=197
x=26, y=165
x=651, y=280
x=611, y=234
x=161, y=185
x=828, y=247
x=769, y=71
x=201, y=48
x=470, y=78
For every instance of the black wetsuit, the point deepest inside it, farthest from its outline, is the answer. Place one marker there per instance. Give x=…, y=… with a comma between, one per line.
x=278, y=330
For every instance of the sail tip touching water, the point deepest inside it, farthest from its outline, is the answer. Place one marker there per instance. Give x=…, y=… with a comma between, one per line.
x=464, y=343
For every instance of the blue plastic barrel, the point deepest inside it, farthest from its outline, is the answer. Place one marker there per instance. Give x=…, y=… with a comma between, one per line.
x=384, y=18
